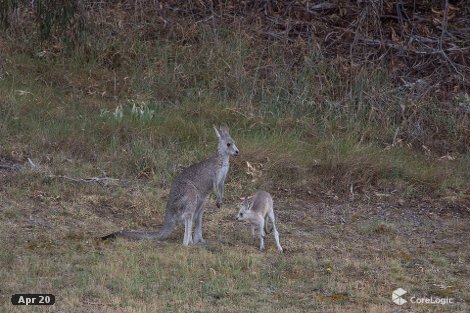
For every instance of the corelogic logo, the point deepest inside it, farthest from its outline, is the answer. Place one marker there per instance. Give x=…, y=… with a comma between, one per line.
x=397, y=296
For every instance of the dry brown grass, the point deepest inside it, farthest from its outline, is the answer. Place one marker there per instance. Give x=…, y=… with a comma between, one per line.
x=340, y=256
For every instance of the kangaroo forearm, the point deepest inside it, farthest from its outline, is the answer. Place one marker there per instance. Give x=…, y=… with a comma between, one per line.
x=220, y=196
x=219, y=192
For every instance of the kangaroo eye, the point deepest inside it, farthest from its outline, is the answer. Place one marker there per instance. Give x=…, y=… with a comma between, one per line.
x=229, y=144
x=241, y=214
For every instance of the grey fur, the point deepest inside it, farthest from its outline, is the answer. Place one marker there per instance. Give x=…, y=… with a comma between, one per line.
x=257, y=210
x=189, y=193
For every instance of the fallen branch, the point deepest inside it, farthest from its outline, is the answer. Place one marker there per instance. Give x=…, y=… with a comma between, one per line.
x=33, y=166
x=376, y=42
x=321, y=7
x=9, y=167
x=441, y=40
x=97, y=179
x=442, y=53
x=17, y=167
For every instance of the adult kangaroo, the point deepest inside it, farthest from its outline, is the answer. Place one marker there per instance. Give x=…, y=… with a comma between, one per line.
x=189, y=193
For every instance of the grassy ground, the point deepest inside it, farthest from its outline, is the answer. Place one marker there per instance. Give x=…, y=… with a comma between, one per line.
x=341, y=256
x=364, y=204
x=345, y=252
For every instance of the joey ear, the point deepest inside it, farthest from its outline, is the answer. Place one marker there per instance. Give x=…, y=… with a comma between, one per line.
x=245, y=199
x=217, y=132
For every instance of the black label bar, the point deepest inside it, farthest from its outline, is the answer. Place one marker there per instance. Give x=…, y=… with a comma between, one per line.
x=32, y=299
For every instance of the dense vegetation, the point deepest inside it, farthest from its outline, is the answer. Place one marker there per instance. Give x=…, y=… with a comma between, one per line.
x=129, y=71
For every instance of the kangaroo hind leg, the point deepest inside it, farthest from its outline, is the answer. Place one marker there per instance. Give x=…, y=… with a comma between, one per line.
x=261, y=233
x=275, y=232
x=188, y=228
x=198, y=222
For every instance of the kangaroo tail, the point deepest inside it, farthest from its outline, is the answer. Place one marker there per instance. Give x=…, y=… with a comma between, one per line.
x=266, y=230
x=168, y=227
x=162, y=234
x=132, y=235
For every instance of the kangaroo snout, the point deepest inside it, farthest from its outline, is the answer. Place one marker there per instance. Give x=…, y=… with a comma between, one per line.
x=237, y=152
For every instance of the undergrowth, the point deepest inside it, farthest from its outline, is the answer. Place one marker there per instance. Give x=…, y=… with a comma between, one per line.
x=143, y=107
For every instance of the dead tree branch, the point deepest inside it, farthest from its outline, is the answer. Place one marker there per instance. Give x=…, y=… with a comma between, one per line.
x=9, y=167
x=97, y=179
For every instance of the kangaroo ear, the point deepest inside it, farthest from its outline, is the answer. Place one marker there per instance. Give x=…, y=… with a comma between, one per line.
x=217, y=132
x=245, y=199
x=224, y=129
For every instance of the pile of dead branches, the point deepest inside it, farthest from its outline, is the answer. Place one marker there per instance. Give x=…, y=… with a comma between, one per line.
x=423, y=44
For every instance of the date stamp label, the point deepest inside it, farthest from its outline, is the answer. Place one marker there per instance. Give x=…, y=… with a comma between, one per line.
x=32, y=299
